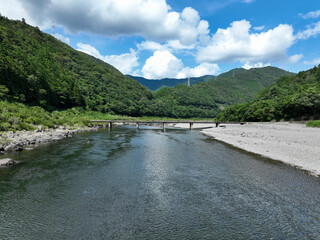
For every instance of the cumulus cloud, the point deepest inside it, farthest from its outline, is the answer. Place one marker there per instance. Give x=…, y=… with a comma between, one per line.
x=152, y=19
x=200, y=70
x=124, y=62
x=255, y=65
x=237, y=43
x=313, y=14
x=62, y=38
x=315, y=61
x=311, y=31
x=295, y=58
x=163, y=64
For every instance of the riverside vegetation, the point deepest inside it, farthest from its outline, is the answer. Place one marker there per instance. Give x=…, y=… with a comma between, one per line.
x=289, y=98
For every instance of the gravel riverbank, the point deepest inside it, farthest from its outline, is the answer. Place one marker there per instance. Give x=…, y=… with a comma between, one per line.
x=17, y=141
x=291, y=143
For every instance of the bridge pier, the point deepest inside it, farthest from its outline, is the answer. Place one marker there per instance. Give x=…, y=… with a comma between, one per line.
x=137, y=125
x=191, y=126
x=164, y=127
x=109, y=125
x=217, y=124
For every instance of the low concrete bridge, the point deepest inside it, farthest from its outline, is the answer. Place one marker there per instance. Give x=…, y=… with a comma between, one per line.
x=163, y=123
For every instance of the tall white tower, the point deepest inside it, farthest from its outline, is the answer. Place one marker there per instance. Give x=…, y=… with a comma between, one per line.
x=188, y=81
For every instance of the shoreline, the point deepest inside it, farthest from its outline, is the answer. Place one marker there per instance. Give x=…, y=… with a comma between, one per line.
x=290, y=143
x=26, y=140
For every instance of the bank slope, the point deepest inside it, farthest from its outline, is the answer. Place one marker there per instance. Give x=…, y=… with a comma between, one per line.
x=289, y=98
x=38, y=69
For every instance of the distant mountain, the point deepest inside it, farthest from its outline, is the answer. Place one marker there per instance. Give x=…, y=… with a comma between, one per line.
x=155, y=85
x=290, y=97
x=38, y=69
x=206, y=99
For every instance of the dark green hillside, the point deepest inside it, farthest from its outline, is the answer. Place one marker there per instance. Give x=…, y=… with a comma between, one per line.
x=38, y=69
x=155, y=85
x=289, y=97
x=206, y=99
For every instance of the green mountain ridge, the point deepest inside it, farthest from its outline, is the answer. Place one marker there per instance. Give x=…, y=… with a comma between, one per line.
x=206, y=99
x=155, y=85
x=289, y=98
x=38, y=69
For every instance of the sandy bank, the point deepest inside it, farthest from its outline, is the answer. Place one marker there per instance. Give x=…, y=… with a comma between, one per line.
x=291, y=143
x=10, y=141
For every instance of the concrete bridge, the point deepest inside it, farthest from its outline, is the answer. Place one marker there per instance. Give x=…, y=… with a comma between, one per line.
x=163, y=123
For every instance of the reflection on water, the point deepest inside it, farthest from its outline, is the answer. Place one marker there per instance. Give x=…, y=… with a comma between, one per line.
x=150, y=184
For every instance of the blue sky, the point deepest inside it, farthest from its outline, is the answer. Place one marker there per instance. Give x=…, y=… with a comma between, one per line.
x=171, y=38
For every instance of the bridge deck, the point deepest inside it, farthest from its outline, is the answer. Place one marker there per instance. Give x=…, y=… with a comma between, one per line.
x=163, y=122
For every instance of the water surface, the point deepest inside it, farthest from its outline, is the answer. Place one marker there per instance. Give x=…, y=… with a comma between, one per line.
x=150, y=184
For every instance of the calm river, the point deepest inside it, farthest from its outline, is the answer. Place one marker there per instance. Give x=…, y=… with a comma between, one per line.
x=150, y=184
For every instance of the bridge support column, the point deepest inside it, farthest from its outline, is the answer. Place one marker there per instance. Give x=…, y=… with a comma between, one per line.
x=191, y=126
x=217, y=124
x=164, y=127
x=137, y=125
x=109, y=125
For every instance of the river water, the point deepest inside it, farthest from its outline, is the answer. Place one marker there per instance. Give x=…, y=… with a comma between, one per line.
x=150, y=184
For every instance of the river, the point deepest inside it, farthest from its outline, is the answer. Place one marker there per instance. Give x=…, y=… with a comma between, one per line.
x=149, y=184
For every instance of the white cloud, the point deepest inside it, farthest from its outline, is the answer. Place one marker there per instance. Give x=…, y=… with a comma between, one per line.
x=259, y=28
x=237, y=43
x=152, y=19
x=295, y=58
x=255, y=65
x=315, y=61
x=150, y=45
x=248, y=1
x=62, y=38
x=200, y=70
x=311, y=31
x=313, y=14
x=162, y=64
x=124, y=62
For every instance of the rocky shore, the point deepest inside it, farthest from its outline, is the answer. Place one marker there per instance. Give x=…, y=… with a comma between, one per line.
x=17, y=141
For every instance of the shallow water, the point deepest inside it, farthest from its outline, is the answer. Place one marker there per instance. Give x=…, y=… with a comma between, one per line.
x=150, y=184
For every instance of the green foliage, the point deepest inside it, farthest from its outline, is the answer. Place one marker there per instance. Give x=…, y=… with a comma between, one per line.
x=38, y=69
x=314, y=124
x=205, y=99
x=289, y=98
x=18, y=116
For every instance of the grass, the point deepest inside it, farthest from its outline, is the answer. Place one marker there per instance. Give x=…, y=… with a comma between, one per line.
x=313, y=123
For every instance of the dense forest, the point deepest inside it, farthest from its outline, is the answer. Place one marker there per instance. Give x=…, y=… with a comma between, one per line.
x=37, y=69
x=206, y=99
x=289, y=98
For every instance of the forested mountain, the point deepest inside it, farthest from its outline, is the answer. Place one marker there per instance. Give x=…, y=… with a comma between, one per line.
x=155, y=85
x=289, y=97
x=37, y=69
x=206, y=99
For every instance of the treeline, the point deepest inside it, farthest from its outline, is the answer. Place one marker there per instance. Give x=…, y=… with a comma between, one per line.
x=289, y=98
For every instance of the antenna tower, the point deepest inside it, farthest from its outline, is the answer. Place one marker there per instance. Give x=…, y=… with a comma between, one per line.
x=188, y=81
x=52, y=27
